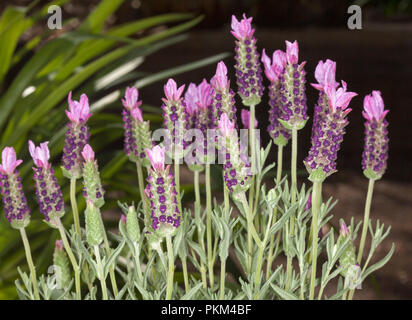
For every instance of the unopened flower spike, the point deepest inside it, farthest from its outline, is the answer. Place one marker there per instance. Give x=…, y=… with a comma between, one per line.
x=77, y=136
x=223, y=97
x=92, y=189
x=48, y=192
x=132, y=225
x=174, y=118
x=292, y=90
x=198, y=103
x=248, y=69
x=236, y=166
x=273, y=71
x=137, y=135
x=94, y=232
x=15, y=204
x=61, y=262
x=161, y=192
x=375, y=152
x=326, y=142
x=347, y=260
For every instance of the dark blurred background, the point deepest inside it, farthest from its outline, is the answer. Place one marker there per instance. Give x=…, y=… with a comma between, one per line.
x=377, y=57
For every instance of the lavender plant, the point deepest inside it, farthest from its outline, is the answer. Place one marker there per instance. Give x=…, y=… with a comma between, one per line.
x=257, y=222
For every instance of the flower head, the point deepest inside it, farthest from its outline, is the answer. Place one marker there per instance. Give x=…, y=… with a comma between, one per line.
x=339, y=98
x=79, y=111
x=374, y=107
x=325, y=75
x=9, y=162
x=292, y=52
x=220, y=81
x=245, y=115
x=40, y=155
x=131, y=97
x=243, y=29
x=198, y=97
x=225, y=125
x=157, y=157
x=88, y=153
x=173, y=93
x=274, y=68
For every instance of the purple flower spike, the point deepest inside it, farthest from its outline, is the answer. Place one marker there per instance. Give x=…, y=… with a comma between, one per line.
x=329, y=133
x=223, y=97
x=273, y=70
x=175, y=117
x=161, y=192
x=48, y=192
x=14, y=201
x=137, y=135
x=292, y=96
x=325, y=75
x=198, y=104
x=236, y=166
x=77, y=136
x=375, y=152
x=248, y=69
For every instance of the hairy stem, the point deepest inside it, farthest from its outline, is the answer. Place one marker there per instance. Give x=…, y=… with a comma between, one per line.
x=316, y=196
x=140, y=179
x=209, y=225
x=32, y=268
x=171, y=270
x=222, y=278
x=366, y=219
x=74, y=206
x=72, y=259
x=101, y=272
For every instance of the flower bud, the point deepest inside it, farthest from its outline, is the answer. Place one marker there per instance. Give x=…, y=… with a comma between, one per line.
x=132, y=225
x=62, y=265
x=91, y=178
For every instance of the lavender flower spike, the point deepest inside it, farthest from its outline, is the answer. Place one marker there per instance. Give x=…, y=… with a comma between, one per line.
x=321, y=160
x=48, y=192
x=137, y=135
x=375, y=153
x=14, y=201
x=325, y=75
x=161, y=192
x=91, y=178
x=223, y=97
x=273, y=71
x=198, y=103
x=174, y=118
x=77, y=136
x=236, y=167
x=292, y=90
x=248, y=70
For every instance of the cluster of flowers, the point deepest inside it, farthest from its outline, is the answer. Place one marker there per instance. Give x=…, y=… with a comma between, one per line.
x=208, y=105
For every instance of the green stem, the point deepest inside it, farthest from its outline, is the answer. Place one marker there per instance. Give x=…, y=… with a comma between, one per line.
x=72, y=259
x=292, y=201
x=252, y=154
x=170, y=273
x=272, y=239
x=280, y=160
x=137, y=261
x=30, y=263
x=74, y=206
x=185, y=275
x=316, y=196
x=107, y=248
x=222, y=278
x=209, y=225
x=366, y=219
x=101, y=272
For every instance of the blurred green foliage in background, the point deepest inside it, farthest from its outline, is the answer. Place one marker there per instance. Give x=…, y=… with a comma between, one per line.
x=35, y=77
